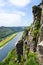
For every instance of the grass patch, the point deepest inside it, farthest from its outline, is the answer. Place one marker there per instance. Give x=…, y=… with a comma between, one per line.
x=7, y=39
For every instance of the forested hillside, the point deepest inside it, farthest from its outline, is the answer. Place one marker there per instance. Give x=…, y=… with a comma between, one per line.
x=6, y=31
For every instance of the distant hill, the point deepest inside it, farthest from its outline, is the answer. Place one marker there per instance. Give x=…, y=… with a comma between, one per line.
x=6, y=31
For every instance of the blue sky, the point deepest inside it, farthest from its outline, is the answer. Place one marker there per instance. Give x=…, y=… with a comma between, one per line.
x=16, y=12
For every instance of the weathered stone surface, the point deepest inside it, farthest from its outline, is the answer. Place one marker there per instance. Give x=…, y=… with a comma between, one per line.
x=40, y=48
x=19, y=47
x=19, y=50
x=41, y=33
x=42, y=1
x=37, y=12
x=41, y=23
x=40, y=52
x=32, y=46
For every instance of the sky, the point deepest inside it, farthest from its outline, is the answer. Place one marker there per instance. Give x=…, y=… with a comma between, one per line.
x=17, y=12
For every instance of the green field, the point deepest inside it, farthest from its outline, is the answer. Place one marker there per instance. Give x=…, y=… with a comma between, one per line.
x=7, y=39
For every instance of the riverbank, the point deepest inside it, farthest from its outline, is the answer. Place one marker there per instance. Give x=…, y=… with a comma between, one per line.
x=3, y=42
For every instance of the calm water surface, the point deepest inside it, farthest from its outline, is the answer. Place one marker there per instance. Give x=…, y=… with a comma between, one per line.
x=9, y=46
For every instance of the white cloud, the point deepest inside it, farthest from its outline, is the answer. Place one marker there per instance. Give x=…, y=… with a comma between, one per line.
x=19, y=2
x=12, y=19
x=20, y=13
x=2, y=3
x=9, y=19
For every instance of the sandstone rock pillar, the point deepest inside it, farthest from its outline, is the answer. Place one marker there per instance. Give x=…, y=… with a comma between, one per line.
x=19, y=50
x=40, y=45
x=41, y=23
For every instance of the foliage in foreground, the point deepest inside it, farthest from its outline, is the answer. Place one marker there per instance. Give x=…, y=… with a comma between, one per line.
x=10, y=59
x=32, y=60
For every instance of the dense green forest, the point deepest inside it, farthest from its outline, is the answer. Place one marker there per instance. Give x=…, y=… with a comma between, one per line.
x=6, y=31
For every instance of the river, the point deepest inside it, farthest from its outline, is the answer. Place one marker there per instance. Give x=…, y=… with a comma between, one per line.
x=9, y=46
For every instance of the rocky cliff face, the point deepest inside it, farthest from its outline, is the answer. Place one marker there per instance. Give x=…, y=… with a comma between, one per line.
x=37, y=12
x=34, y=33
x=40, y=45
